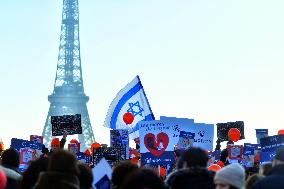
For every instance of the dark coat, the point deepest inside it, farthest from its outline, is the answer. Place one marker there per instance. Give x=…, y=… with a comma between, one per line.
x=193, y=178
x=56, y=180
x=273, y=180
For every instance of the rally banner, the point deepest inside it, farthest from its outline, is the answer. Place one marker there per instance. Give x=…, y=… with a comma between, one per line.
x=66, y=124
x=266, y=157
x=204, y=133
x=261, y=133
x=223, y=129
x=17, y=144
x=271, y=143
x=157, y=141
x=120, y=138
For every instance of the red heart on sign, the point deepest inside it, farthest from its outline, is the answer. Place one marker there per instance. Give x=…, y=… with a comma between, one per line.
x=156, y=146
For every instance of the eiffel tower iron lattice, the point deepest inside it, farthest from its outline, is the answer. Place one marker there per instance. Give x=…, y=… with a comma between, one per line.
x=68, y=96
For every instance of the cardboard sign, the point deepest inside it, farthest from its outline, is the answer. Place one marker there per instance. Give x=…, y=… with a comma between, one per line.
x=69, y=124
x=223, y=129
x=261, y=133
x=271, y=143
x=235, y=152
x=100, y=171
x=186, y=140
x=36, y=138
x=17, y=144
x=157, y=142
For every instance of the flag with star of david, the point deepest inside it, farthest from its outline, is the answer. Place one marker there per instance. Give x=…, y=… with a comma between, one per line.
x=128, y=108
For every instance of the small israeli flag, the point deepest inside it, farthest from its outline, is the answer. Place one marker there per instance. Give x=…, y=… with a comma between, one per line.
x=128, y=108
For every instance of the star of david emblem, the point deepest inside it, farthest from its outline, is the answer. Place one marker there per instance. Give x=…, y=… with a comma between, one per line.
x=135, y=109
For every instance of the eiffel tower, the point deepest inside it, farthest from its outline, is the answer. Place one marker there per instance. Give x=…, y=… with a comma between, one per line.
x=68, y=95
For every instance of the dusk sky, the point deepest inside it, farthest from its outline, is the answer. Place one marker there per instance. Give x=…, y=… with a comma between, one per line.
x=212, y=61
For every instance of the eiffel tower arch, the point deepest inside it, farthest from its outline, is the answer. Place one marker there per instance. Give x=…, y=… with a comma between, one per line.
x=68, y=96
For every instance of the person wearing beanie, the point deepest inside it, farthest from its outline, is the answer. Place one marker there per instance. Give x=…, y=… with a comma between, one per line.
x=275, y=177
x=230, y=177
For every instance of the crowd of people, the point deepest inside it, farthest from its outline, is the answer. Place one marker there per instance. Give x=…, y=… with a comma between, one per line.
x=61, y=170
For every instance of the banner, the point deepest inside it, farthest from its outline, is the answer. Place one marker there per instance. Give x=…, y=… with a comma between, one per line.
x=261, y=133
x=66, y=124
x=271, y=143
x=157, y=141
x=186, y=140
x=266, y=157
x=204, y=133
x=17, y=144
x=223, y=129
x=120, y=138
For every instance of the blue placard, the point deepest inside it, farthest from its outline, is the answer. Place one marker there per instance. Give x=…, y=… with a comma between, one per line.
x=271, y=143
x=103, y=183
x=216, y=154
x=248, y=149
x=167, y=158
x=83, y=158
x=17, y=144
x=261, y=133
x=266, y=156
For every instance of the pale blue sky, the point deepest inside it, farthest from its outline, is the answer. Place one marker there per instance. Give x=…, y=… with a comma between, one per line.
x=213, y=61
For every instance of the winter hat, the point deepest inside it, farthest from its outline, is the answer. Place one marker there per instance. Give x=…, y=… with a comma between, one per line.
x=3, y=179
x=233, y=174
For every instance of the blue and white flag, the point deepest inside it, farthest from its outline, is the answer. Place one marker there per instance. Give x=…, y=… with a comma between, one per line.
x=131, y=99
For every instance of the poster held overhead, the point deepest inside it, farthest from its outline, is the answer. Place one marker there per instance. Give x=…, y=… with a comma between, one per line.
x=66, y=124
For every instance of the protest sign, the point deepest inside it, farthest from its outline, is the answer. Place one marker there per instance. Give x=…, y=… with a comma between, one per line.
x=157, y=140
x=213, y=157
x=261, y=133
x=66, y=124
x=83, y=158
x=102, y=175
x=36, y=138
x=17, y=144
x=248, y=155
x=235, y=152
x=120, y=138
x=223, y=129
x=266, y=157
x=204, y=133
x=186, y=140
x=271, y=143
x=26, y=156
